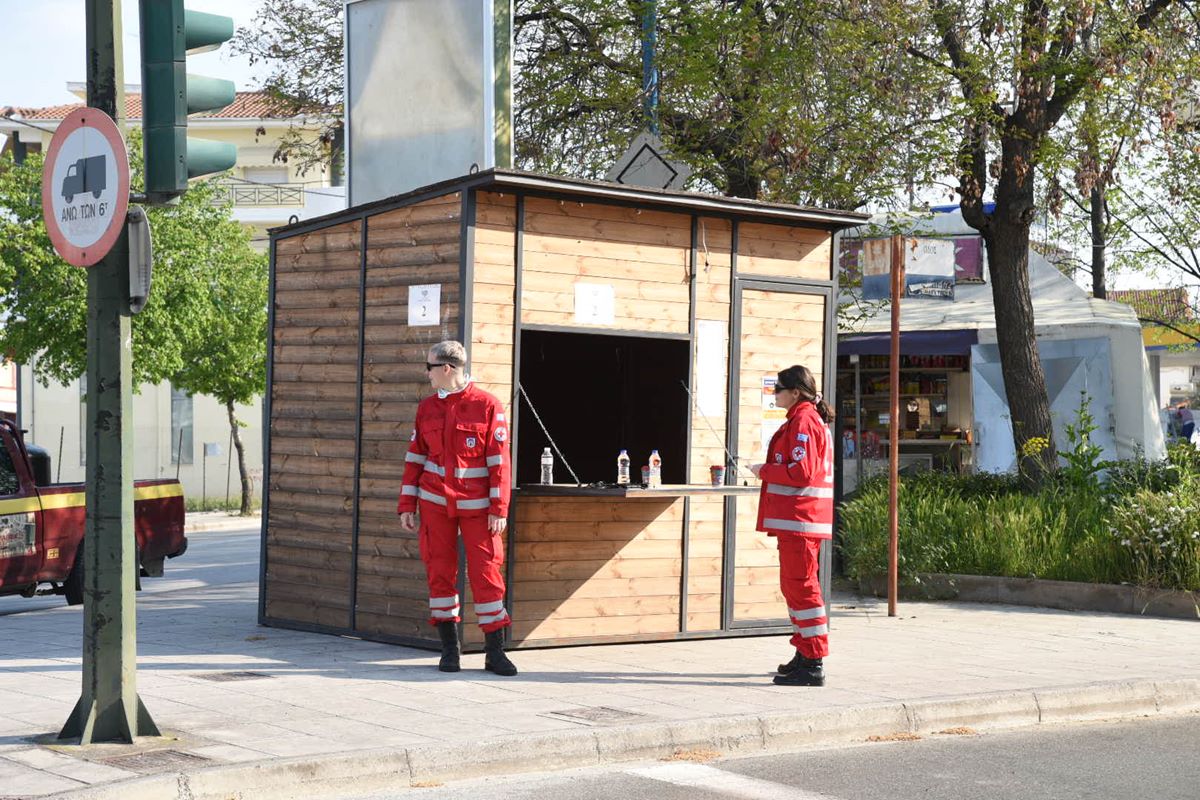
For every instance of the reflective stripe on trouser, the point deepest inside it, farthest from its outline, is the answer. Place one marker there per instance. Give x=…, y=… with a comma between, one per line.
x=801, y=586
x=485, y=563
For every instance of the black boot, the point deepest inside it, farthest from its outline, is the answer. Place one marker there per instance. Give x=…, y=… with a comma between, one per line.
x=806, y=672
x=494, y=659
x=784, y=669
x=448, y=631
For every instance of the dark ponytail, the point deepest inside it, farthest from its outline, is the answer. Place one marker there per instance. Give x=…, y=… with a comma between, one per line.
x=798, y=377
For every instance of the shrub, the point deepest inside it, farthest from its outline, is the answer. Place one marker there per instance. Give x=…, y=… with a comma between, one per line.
x=1138, y=529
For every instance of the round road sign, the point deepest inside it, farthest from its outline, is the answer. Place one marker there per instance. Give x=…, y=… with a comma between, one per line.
x=85, y=186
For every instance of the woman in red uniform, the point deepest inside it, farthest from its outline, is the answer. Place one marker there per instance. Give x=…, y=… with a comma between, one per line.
x=796, y=507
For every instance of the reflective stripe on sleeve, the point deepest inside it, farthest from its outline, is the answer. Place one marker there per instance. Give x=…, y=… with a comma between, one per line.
x=799, y=491
x=494, y=493
x=472, y=504
x=812, y=630
x=799, y=527
x=408, y=491
x=471, y=472
x=808, y=613
x=489, y=608
x=495, y=461
x=431, y=497
x=435, y=468
x=415, y=458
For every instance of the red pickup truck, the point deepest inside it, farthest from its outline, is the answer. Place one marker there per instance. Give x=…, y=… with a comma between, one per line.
x=42, y=523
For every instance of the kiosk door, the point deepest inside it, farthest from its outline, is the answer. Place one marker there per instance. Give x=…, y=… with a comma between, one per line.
x=778, y=325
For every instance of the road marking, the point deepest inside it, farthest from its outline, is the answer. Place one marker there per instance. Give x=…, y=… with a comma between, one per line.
x=731, y=784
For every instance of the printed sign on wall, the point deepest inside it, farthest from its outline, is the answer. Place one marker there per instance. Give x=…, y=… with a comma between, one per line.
x=424, y=304
x=594, y=303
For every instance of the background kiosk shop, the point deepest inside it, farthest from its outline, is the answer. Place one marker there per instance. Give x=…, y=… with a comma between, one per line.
x=606, y=304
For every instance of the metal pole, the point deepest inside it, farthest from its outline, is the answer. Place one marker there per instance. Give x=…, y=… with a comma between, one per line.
x=894, y=429
x=649, y=73
x=179, y=453
x=858, y=418
x=62, y=429
x=204, y=478
x=109, y=709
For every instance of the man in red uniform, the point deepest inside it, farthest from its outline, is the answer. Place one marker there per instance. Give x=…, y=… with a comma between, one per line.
x=796, y=506
x=457, y=470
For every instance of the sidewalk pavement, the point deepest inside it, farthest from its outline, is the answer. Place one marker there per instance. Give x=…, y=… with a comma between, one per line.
x=252, y=712
x=204, y=521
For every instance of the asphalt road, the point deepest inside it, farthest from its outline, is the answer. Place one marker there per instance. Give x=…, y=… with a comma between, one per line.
x=1139, y=760
x=214, y=558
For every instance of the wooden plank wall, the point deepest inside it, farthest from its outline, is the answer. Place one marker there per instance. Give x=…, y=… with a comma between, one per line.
x=492, y=311
x=778, y=329
x=706, y=528
x=642, y=254
x=418, y=244
x=588, y=567
x=314, y=395
x=779, y=251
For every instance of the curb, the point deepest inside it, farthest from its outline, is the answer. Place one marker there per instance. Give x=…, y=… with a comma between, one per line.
x=222, y=522
x=383, y=769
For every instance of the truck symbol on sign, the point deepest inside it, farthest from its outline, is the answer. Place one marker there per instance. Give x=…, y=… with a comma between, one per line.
x=85, y=175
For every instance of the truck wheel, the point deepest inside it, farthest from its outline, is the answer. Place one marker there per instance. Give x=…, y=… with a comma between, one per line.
x=73, y=585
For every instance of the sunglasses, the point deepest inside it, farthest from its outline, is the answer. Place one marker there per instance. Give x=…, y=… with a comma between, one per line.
x=779, y=388
x=429, y=367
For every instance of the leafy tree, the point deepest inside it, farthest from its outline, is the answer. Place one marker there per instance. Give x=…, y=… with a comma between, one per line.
x=300, y=44
x=202, y=295
x=1019, y=67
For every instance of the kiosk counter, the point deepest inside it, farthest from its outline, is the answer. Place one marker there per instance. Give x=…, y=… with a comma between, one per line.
x=606, y=317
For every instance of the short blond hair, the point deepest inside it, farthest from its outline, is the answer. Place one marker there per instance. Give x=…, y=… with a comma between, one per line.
x=449, y=352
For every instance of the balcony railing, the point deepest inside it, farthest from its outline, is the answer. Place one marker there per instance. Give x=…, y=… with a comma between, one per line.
x=257, y=195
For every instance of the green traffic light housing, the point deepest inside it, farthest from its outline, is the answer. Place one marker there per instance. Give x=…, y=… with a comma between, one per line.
x=169, y=33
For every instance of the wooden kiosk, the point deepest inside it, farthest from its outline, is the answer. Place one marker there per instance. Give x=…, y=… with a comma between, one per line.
x=612, y=312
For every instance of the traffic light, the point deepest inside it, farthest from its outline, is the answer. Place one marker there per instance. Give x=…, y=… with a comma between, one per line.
x=169, y=94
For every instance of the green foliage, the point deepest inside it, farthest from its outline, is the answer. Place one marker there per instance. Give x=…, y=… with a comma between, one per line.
x=1143, y=527
x=45, y=299
x=1083, y=456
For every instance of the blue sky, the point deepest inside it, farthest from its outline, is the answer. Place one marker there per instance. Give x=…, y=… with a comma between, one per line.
x=44, y=43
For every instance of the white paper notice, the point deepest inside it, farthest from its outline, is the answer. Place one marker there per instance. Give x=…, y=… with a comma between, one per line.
x=424, y=304
x=594, y=303
x=772, y=415
x=711, y=345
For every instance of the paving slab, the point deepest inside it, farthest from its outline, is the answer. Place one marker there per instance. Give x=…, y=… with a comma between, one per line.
x=322, y=708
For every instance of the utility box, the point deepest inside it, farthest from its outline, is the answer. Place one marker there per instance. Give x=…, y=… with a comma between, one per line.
x=613, y=312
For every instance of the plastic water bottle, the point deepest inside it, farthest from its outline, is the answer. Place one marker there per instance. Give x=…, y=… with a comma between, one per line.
x=547, y=467
x=655, y=469
x=623, y=469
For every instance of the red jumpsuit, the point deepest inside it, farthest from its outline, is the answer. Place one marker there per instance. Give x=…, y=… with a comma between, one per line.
x=796, y=506
x=457, y=467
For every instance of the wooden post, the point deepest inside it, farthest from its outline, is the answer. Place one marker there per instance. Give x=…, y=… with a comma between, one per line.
x=894, y=428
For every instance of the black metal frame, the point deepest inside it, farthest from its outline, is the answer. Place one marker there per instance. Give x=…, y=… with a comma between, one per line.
x=358, y=423
x=266, y=437
x=515, y=409
x=738, y=284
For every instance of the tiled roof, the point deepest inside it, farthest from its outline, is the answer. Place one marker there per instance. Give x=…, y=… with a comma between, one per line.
x=246, y=105
x=1167, y=305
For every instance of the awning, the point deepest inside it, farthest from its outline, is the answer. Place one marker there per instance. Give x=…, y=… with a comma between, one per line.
x=912, y=343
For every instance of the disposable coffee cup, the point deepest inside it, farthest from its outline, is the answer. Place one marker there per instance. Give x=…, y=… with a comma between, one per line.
x=716, y=473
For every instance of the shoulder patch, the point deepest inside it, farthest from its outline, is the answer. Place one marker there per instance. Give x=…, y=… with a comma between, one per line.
x=501, y=434
x=798, y=453
x=801, y=437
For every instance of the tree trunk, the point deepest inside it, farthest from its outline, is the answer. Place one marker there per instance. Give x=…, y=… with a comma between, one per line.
x=241, y=453
x=1007, y=238
x=1099, y=242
